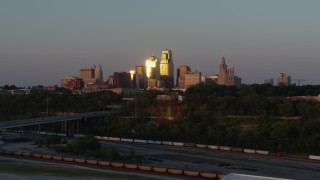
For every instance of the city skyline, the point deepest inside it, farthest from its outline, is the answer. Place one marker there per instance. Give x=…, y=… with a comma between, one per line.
x=260, y=39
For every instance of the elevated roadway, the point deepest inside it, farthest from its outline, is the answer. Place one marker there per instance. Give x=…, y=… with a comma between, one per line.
x=52, y=119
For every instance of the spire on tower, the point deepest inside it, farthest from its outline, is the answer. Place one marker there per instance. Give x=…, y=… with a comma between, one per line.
x=223, y=61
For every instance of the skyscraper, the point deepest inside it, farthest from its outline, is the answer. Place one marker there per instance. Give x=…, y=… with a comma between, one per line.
x=121, y=80
x=181, y=71
x=223, y=72
x=98, y=74
x=91, y=75
x=86, y=73
x=152, y=72
x=167, y=68
x=226, y=76
x=152, y=68
x=140, y=71
x=192, y=79
x=284, y=80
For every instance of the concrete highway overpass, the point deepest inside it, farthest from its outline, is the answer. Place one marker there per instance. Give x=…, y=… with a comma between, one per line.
x=52, y=119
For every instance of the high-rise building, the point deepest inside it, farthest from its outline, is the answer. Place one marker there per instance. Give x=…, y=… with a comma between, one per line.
x=140, y=72
x=98, y=74
x=226, y=76
x=152, y=72
x=192, y=79
x=152, y=68
x=284, y=80
x=181, y=71
x=121, y=80
x=87, y=73
x=91, y=76
x=167, y=68
x=72, y=82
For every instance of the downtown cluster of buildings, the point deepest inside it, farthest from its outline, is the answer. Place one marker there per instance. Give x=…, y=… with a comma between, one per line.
x=153, y=74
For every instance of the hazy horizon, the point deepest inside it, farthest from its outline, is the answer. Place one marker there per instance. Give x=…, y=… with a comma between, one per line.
x=41, y=41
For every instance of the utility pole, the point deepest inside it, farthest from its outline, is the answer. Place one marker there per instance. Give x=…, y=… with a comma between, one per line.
x=135, y=111
x=47, y=107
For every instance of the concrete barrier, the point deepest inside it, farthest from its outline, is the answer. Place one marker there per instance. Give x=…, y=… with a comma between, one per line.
x=203, y=146
x=314, y=157
x=249, y=151
x=68, y=159
x=189, y=144
x=113, y=139
x=213, y=147
x=225, y=148
x=130, y=166
x=235, y=149
x=159, y=169
x=117, y=164
x=61, y=134
x=46, y=156
x=261, y=152
x=191, y=173
x=126, y=140
x=27, y=154
x=17, y=153
x=104, y=163
x=35, y=155
x=77, y=160
x=58, y=158
x=140, y=141
x=99, y=137
x=51, y=133
x=208, y=175
x=178, y=144
x=275, y=154
x=220, y=176
x=154, y=142
x=145, y=168
x=93, y=162
x=175, y=171
x=167, y=143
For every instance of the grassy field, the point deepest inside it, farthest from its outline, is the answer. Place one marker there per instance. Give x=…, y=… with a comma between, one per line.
x=27, y=169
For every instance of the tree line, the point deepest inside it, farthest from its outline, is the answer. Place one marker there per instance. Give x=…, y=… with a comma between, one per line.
x=251, y=116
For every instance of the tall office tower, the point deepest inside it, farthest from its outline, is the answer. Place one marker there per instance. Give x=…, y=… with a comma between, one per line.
x=98, y=74
x=284, y=80
x=152, y=72
x=133, y=79
x=152, y=68
x=167, y=68
x=87, y=73
x=226, y=76
x=223, y=72
x=181, y=71
x=192, y=79
x=121, y=80
x=140, y=71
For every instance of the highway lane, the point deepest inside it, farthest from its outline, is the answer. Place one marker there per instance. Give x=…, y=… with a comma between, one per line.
x=211, y=160
x=221, y=161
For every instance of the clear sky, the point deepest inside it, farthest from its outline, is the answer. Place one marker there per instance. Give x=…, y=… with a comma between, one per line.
x=44, y=40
